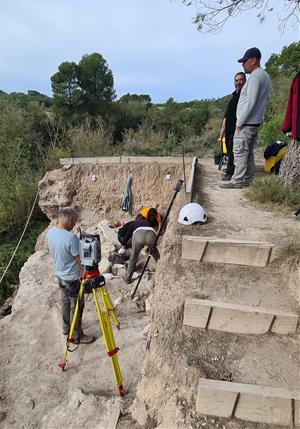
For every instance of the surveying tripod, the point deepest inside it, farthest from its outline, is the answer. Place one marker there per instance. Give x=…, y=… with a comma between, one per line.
x=93, y=281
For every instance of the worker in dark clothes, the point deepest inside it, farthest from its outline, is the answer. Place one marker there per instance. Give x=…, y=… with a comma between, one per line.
x=143, y=233
x=229, y=121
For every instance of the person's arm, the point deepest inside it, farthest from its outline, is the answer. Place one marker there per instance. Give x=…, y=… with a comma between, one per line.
x=252, y=96
x=74, y=248
x=222, y=130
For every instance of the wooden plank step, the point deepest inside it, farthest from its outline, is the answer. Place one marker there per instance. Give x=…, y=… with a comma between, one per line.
x=248, y=402
x=219, y=250
x=237, y=318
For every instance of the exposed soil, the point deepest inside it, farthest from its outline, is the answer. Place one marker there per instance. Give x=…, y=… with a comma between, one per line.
x=180, y=355
x=161, y=361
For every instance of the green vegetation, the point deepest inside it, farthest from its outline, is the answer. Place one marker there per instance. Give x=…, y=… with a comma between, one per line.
x=266, y=190
x=8, y=242
x=84, y=119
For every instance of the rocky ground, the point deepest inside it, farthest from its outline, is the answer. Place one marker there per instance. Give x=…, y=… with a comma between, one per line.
x=161, y=361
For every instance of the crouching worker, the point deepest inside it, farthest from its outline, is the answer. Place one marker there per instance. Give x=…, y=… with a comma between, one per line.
x=64, y=249
x=143, y=233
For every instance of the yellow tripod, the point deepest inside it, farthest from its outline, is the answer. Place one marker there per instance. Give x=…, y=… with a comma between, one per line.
x=95, y=282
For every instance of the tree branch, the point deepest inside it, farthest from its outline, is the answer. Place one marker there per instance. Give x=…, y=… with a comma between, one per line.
x=213, y=14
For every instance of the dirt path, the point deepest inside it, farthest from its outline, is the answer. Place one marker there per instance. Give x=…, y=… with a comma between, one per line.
x=180, y=355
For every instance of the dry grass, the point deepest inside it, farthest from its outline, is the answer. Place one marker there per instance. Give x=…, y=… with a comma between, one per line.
x=267, y=191
x=289, y=249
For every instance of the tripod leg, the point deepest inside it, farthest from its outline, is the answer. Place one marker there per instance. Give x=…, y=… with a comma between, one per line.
x=69, y=338
x=109, y=340
x=109, y=307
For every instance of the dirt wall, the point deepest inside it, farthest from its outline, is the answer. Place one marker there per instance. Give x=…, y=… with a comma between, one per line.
x=97, y=190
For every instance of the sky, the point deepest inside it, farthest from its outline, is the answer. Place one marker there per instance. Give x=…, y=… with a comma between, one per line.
x=151, y=46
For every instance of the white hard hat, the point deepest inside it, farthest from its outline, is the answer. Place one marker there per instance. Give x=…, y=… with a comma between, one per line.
x=191, y=213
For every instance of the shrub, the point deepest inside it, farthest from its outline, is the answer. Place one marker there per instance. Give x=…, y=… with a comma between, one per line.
x=53, y=156
x=92, y=138
x=270, y=131
x=266, y=190
x=144, y=141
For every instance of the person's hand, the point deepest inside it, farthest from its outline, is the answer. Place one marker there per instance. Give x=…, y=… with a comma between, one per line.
x=289, y=134
x=237, y=130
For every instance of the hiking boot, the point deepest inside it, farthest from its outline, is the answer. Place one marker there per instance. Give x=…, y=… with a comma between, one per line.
x=230, y=185
x=85, y=339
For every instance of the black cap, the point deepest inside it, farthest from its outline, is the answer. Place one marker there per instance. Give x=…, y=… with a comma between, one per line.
x=250, y=53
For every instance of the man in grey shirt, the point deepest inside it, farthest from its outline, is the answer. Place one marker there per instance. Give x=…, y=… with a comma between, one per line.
x=64, y=248
x=249, y=115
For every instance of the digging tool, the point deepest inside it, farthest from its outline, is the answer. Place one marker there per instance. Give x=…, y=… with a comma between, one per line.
x=177, y=189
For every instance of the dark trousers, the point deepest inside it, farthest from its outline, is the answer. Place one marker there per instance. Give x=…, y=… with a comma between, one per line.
x=230, y=156
x=68, y=308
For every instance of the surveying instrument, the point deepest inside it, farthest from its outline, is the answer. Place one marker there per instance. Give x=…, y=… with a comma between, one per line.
x=93, y=281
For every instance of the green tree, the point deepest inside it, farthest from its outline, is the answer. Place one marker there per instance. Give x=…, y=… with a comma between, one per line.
x=67, y=93
x=287, y=63
x=143, y=99
x=96, y=82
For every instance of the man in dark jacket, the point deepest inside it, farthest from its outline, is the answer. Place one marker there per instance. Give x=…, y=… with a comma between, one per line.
x=229, y=121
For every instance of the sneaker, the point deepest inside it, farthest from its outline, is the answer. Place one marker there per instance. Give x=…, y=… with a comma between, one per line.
x=85, y=339
x=225, y=178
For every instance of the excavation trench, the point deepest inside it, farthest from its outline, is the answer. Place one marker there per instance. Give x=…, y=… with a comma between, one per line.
x=161, y=360
x=34, y=392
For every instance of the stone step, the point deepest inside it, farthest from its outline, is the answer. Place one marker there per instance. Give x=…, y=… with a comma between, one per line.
x=249, y=402
x=219, y=250
x=237, y=318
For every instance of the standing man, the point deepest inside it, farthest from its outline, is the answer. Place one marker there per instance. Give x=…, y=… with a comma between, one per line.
x=228, y=124
x=64, y=248
x=249, y=114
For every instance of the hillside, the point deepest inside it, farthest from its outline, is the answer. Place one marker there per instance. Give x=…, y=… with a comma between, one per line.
x=161, y=359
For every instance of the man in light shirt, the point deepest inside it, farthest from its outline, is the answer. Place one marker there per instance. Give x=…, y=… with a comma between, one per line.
x=249, y=115
x=64, y=249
